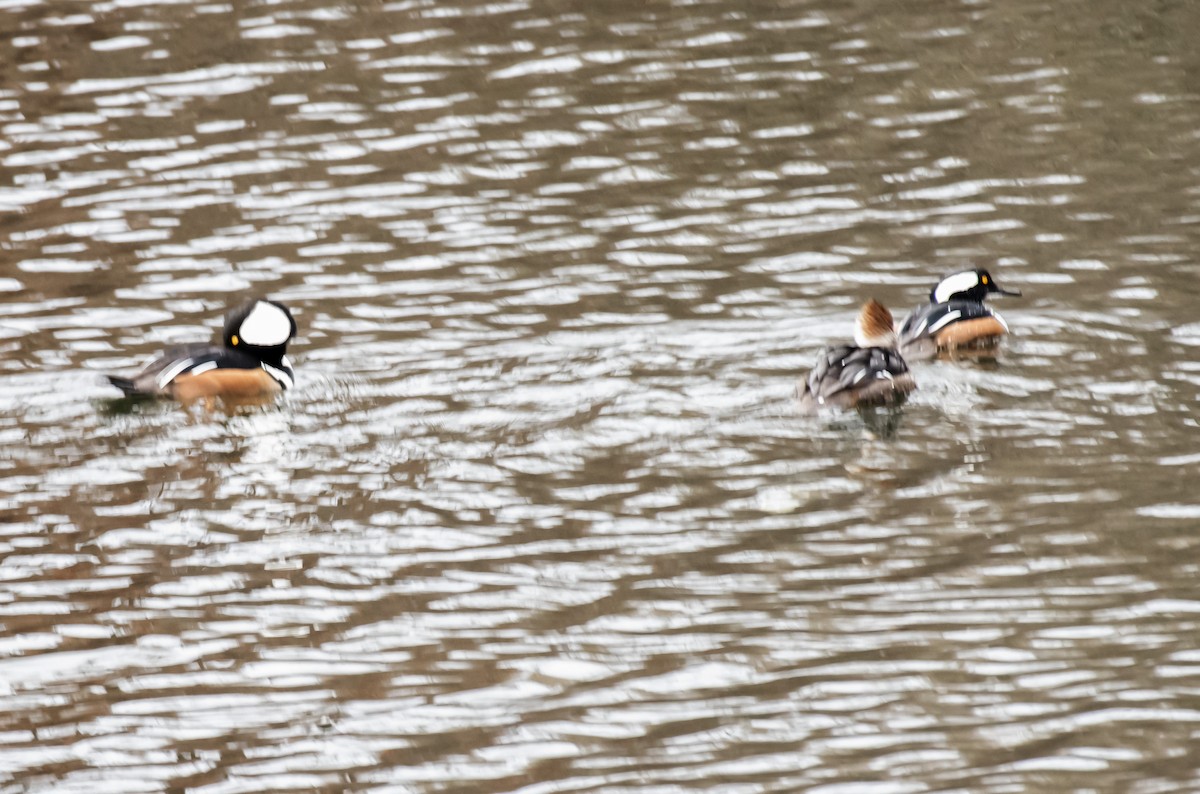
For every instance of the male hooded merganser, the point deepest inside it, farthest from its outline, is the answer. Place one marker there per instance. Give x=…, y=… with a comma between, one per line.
x=872, y=372
x=250, y=364
x=955, y=316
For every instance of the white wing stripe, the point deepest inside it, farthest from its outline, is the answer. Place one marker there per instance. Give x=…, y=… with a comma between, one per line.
x=944, y=321
x=202, y=368
x=168, y=375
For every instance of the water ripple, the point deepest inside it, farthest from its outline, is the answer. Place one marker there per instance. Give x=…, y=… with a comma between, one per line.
x=539, y=515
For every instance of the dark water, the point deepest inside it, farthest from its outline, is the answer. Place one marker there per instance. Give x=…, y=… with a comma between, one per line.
x=540, y=516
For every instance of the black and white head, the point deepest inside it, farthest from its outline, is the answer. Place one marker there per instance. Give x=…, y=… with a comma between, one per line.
x=969, y=285
x=261, y=328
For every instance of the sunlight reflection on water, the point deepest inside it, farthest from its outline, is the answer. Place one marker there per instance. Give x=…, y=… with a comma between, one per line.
x=539, y=514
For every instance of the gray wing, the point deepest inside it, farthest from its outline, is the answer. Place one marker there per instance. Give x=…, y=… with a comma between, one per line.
x=841, y=369
x=154, y=378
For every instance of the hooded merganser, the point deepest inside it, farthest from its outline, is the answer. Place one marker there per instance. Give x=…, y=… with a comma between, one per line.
x=955, y=316
x=871, y=372
x=250, y=364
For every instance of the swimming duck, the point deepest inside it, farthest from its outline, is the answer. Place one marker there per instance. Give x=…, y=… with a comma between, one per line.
x=955, y=317
x=870, y=372
x=250, y=363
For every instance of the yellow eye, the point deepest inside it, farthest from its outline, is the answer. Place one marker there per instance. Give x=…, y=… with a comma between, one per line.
x=984, y=279
x=234, y=339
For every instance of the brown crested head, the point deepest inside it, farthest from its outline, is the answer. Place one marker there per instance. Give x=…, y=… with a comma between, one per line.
x=874, y=327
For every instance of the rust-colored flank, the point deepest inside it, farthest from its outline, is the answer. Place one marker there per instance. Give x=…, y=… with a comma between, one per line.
x=223, y=382
x=981, y=331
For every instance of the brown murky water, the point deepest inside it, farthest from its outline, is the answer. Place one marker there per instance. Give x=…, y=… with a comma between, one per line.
x=539, y=516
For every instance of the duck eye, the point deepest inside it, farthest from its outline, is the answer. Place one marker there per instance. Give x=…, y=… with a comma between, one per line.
x=234, y=340
x=984, y=279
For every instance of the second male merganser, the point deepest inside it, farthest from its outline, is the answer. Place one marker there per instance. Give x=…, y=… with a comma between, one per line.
x=955, y=317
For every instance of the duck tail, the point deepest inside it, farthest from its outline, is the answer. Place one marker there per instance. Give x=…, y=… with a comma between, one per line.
x=124, y=384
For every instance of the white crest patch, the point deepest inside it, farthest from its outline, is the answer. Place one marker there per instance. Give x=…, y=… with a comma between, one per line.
x=265, y=326
x=958, y=282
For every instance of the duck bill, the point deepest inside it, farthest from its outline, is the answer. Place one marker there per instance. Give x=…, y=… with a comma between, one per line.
x=1015, y=293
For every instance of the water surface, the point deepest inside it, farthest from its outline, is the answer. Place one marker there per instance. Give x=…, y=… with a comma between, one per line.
x=540, y=515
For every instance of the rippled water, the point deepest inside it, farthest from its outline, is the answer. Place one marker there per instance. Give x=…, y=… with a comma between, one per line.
x=540, y=515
